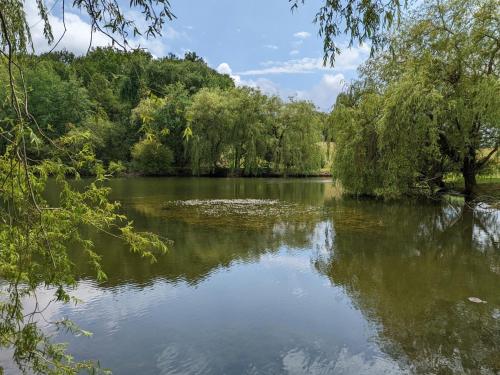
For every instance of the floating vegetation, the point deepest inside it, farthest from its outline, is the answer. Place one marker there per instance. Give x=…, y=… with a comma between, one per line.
x=351, y=219
x=217, y=202
x=243, y=213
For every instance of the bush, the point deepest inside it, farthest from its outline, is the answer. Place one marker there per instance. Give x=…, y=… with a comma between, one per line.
x=152, y=158
x=116, y=168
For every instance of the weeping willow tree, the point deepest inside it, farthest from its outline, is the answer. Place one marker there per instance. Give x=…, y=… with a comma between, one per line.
x=408, y=136
x=298, y=133
x=210, y=118
x=456, y=45
x=38, y=236
x=438, y=106
x=362, y=21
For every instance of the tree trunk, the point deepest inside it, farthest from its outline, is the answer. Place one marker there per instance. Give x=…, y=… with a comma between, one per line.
x=237, y=161
x=469, y=173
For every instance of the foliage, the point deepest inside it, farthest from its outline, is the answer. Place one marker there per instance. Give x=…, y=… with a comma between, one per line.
x=116, y=168
x=106, y=101
x=439, y=108
x=298, y=133
x=152, y=158
x=67, y=100
x=102, y=135
x=408, y=135
x=165, y=118
x=250, y=133
x=362, y=21
x=37, y=152
x=192, y=73
x=210, y=119
x=356, y=160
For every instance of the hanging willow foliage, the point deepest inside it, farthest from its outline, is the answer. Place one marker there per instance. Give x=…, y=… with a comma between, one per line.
x=426, y=106
x=36, y=235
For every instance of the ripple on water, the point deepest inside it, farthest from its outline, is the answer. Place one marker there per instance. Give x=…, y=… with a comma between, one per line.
x=176, y=361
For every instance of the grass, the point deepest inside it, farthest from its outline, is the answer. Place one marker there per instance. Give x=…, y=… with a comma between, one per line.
x=488, y=186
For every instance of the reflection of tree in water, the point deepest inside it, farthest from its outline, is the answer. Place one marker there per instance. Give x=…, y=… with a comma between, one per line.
x=412, y=275
x=203, y=242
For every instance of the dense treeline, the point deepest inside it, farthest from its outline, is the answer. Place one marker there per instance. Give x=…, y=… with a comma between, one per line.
x=426, y=106
x=165, y=116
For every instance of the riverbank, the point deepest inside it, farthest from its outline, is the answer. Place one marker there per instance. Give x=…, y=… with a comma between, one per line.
x=226, y=172
x=488, y=187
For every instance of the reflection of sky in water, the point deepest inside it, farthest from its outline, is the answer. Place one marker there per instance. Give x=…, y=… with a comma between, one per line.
x=487, y=235
x=349, y=288
x=276, y=315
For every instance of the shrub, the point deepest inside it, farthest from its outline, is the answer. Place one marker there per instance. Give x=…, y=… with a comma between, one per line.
x=116, y=168
x=152, y=158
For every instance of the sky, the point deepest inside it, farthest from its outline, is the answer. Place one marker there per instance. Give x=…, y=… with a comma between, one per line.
x=259, y=43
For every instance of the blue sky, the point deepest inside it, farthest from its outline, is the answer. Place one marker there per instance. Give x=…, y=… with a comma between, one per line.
x=260, y=43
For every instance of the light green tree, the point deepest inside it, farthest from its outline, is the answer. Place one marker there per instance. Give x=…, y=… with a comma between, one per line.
x=210, y=118
x=456, y=44
x=152, y=158
x=297, y=131
x=35, y=233
x=248, y=133
x=439, y=80
x=354, y=129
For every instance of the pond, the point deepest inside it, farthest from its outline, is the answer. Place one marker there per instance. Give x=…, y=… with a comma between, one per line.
x=281, y=276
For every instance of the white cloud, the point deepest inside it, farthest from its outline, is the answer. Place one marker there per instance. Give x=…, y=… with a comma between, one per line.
x=155, y=46
x=265, y=85
x=294, y=52
x=271, y=46
x=349, y=59
x=77, y=37
x=302, y=35
x=325, y=92
x=304, y=65
x=224, y=68
x=172, y=34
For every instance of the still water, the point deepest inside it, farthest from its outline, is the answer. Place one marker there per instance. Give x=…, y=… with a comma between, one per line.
x=275, y=276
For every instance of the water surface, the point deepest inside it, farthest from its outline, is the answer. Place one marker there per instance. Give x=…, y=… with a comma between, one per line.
x=274, y=276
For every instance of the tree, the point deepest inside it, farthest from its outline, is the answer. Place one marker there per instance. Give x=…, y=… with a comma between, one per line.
x=210, y=119
x=461, y=40
x=356, y=160
x=297, y=132
x=69, y=103
x=35, y=233
x=171, y=119
x=408, y=136
x=191, y=71
x=165, y=119
x=103, y=136
x=248, y=133
x=439, y=80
